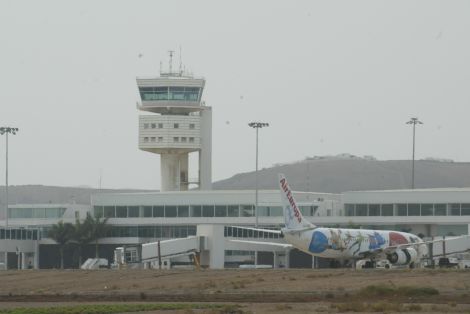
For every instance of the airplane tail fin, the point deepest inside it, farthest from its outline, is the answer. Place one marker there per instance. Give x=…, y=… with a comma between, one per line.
x=292, y=216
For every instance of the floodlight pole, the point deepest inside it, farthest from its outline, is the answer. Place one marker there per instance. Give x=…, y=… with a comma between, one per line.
x=413, y=121
x=6, y=182
x=257, y=126
x=6, y=131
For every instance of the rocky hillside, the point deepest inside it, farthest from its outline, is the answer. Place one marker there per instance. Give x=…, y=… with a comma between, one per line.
x=332, y=174
x=350, y=173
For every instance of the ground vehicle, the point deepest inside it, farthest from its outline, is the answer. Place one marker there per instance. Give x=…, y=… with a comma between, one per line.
x=464, y=264
x=381, y=264
x=448, y=262
x=385, y=264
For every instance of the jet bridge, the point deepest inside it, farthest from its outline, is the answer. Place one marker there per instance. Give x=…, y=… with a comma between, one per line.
x=450, y=245
x=161, y=254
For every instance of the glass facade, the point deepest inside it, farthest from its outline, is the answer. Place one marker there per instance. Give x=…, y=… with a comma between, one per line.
x=28, y=213
x=171, y=211
x=411, y=209
x=19, y=234
x=239, y=253
x=451, y=230
x=235, y=232
x=155, y=232
x=172, y=93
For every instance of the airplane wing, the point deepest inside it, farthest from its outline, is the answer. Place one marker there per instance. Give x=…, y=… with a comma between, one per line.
x=258, y=229
x=279, y=245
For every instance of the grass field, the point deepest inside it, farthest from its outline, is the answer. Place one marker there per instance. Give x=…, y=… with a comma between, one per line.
x=235, y=291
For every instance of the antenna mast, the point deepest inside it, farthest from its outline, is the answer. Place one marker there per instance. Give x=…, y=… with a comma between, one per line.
x=181, y=63
x=171, y=61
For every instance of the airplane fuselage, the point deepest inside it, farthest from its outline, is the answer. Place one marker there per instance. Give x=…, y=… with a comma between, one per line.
x=341, y=243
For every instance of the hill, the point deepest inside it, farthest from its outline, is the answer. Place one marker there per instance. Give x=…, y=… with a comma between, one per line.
x=330, y=174
x=350, y=173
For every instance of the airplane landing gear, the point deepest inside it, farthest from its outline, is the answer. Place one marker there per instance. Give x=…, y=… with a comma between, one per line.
x=369, y=264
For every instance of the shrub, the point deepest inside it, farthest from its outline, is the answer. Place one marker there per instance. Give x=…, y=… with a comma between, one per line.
x=405, y=291
x=350, y=307
x=415, y=307
x=120, y=308
x=283, y=307
x=385, y=307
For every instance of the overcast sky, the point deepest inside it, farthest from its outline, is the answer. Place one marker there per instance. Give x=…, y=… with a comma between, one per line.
x=329, y=76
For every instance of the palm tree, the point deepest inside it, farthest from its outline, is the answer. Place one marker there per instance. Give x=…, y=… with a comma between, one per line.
x=62, y=234
x=99, y=228
x=82, y=236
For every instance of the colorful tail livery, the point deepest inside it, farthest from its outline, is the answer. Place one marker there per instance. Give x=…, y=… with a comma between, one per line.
x=292, y=216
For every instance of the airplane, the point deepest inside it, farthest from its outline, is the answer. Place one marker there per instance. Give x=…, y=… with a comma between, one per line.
x=399, y=248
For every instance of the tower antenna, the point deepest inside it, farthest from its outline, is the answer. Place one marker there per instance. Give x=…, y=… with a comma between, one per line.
x=171, y=61
x=181, y=63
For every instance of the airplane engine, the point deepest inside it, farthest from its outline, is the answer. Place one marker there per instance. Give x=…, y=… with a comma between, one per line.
x=403, y=256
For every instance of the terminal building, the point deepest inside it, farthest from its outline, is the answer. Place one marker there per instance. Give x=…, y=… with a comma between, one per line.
x=179, y=123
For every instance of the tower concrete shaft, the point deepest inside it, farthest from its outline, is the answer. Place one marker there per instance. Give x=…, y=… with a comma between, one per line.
x=179, y=124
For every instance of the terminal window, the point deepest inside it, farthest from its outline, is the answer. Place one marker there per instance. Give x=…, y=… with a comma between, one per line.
x=153, y=125
x=160, y=125
x=191, y=139
x=195, y=211
x=465, y=209
x=387, y=209
x=183, y=211
x=414, y=209
x=183, y=139
x=146, y=139
x=133, y=211
x=146, y=125
x=176, y=125
x=152, y=139
x=191, y=126
x=160, y=138
x=158, y=211
x=147, y=211
x=121, y=211
x=176, y=139
x=207, y=211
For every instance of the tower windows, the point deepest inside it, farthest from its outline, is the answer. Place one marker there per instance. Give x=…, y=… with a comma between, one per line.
x=160, y=139
x=146, y=125
x=153, y=125
x=176, y=139
x=146, y=139
x=183, y=140
x=178, y=93
x=152, y=139
x=191, y=126
x=176, y=125
x=191, y=139
x=160, y=125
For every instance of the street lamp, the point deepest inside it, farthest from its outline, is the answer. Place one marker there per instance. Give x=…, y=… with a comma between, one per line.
x=7, y=130
x=413, y=121
x=257, y=126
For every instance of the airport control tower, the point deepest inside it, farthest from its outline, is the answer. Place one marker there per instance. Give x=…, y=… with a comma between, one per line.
x=180, y=124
